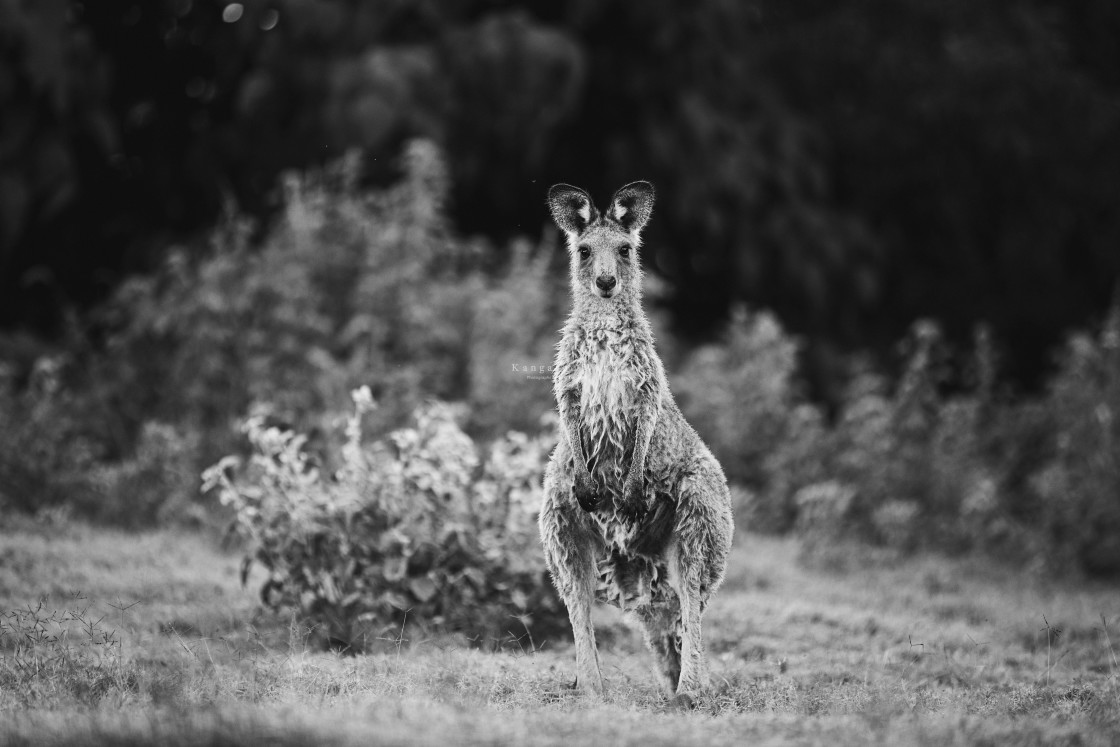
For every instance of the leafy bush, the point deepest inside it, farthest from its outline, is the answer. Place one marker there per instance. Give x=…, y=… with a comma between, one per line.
x=415, y=527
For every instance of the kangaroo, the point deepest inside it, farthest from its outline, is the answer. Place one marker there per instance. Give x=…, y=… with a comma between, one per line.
x=637, y=512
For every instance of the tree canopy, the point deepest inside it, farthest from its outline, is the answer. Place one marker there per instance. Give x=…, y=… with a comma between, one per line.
x=852, y=165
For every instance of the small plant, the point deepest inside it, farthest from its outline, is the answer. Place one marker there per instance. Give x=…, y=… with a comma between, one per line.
x=48, y=652
x=416, y=525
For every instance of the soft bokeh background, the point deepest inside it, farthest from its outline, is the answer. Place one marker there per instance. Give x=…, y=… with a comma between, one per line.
x=883, y=268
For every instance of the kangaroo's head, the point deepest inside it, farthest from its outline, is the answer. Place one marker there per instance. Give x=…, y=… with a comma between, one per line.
x=603, y=247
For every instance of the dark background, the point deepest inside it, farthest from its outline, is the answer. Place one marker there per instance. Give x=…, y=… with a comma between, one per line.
x=851, y=165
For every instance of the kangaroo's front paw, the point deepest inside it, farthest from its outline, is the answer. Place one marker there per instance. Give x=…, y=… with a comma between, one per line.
x=633, y=508
x=632, y=492
x=632, y=512
x=586, y=492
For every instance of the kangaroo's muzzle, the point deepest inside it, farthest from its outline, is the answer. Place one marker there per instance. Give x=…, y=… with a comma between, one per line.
x=605, y=284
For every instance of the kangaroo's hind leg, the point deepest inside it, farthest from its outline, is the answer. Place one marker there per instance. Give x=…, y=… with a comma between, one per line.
x=696, y=559
x=571, y=550
x=661, y=626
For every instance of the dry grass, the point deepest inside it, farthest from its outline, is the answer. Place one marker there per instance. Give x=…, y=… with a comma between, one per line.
x=161, y=645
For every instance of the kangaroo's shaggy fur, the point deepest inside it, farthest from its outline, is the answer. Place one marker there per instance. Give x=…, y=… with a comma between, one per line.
x=637, y=512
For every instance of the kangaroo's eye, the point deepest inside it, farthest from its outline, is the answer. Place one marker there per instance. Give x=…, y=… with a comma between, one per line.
x=584, y=252
x=624, y=250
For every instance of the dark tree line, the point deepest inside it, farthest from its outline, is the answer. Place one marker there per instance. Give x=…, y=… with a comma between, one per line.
x=852, y=165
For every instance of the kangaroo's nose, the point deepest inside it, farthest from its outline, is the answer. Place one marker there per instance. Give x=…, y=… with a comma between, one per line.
x=605, y=282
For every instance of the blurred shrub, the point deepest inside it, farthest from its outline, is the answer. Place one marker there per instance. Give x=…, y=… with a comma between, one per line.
x=820, y=507
x=513, y=342
x=789, y=128
x=900, y=467
x=157, y=484
x=46, y=450
x=1078, y=488
x=349, y=286
x=738, y=392
x=56, y=455
x=741, y=396
x=1034, y=480
x=417, y=526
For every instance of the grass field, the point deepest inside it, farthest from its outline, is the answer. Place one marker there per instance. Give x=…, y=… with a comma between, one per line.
x=149, y=638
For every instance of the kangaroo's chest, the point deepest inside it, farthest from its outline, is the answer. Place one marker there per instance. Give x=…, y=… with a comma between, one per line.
x=609, y=377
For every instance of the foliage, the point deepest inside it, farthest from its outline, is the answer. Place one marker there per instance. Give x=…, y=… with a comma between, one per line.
x=349, y=286
x=851, y=166
x=905, y=468
x=156, y=484
x=745, y=396
x=739, y=392
x=413, y=527
x=57, y=453
x=937, y=460
x=742, y=395
x=1077, y=490
x=55, y=93
x=46, y=447
x=514, y=340
x=1033, y=479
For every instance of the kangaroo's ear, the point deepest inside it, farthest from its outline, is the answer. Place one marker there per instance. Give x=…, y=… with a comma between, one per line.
x=571, y=208
x=631, y=206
